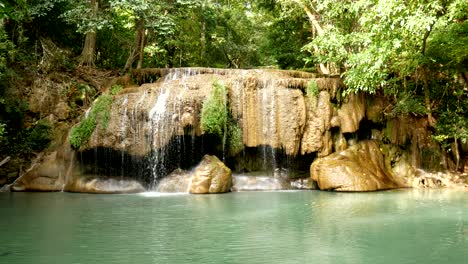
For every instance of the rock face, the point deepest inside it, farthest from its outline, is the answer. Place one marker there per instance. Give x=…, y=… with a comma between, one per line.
x=359, y=168
x=46, y=174
x=317, y=135
x=57, y=172
x=268, y=105
x=210, y=176
x=351, y=113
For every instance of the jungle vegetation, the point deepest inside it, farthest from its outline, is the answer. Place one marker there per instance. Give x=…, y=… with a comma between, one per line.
x=413, y=52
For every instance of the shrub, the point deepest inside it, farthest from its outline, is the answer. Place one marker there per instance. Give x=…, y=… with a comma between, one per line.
x=115, y=89
x=312, y=89
x=99, y=112
x=2, y=132
x=39, y=136
x=214, y=112
x=216, y=119
x=234, y=140
x=410, y=104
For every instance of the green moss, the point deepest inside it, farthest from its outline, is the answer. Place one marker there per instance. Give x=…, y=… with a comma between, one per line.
x=39, y=136
x=115, y=89
x=99, y=112
x=312, y=89
x=217, y=120
x=235, y=142
x=214, y=112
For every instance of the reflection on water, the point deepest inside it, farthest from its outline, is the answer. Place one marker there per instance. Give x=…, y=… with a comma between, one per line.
x=410, y=226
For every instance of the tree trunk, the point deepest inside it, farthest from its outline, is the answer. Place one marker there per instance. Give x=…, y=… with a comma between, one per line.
x=427, y=98
x=137, y=45
x=141, y=48
x=88, y=54
x=318, y=28
x=203, y=41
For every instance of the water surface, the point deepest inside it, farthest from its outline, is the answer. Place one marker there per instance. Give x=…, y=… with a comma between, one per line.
x=247, y=227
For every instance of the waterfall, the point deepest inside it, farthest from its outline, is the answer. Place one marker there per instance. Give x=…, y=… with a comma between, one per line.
x=155, y=128
x=123, y=133
x=268, y=115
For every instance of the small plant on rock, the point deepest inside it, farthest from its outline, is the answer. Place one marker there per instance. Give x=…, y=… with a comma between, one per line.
x=99, y=112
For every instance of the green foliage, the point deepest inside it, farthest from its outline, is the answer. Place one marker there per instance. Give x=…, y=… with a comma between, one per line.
x=312, y=89
x=39, y=136
x=115, y=89
x=379, y=44
x=285, y=35
x=214, y=115
x=99, y=112
x=7, y=51
x=217, y=120
x=410, y=104
x=16, y=137
x=234, y=140
x=447, y=48
x=452, y=120
x=86, y=19
x=2, y=132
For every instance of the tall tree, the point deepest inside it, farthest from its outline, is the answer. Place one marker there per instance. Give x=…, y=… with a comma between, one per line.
x=145, y=15
x=89, y=16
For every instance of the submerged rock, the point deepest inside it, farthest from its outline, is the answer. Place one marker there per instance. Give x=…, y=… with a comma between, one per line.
x=359, y=168
x=211, y=176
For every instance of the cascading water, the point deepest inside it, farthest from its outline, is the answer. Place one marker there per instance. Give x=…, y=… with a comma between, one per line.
x=164, y=121
x=155, y=128
x=123, y=132
x=268, y=115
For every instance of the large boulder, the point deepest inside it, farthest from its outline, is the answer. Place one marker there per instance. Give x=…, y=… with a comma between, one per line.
x=359, y=168
x=210, y=176
x=47, y=173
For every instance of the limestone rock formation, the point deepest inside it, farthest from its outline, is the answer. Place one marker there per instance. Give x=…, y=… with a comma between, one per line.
x=359, y=168
x=210, y=176
x=317, y=136
x=352, y=112
x=57, y=172
x=146, y=119
x=46, y=174
x=270, y=113
x=268, y=105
